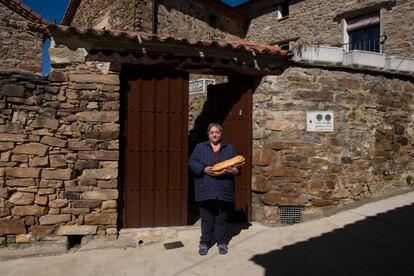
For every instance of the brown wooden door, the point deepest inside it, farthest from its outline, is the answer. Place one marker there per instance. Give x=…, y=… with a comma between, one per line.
x=230, y=104
x=155, y=184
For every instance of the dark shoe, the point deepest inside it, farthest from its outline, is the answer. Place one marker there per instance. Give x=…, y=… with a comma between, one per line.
x=222, y=248
x=203, y=249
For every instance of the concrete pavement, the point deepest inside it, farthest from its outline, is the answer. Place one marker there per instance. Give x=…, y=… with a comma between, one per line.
x=374, y=239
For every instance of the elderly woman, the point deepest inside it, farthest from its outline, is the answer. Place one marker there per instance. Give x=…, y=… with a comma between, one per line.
x=213, y=194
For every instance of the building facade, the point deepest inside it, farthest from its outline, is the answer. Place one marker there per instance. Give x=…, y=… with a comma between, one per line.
x=22, y=35
x=64, y=158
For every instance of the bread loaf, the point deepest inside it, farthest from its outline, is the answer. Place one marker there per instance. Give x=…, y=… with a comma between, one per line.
x=220, y=168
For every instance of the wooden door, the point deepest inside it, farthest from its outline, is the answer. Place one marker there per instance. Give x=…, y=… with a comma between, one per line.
x=154, y=181
x=230, y=104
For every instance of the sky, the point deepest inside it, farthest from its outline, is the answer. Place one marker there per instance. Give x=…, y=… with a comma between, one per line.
x=53, y=10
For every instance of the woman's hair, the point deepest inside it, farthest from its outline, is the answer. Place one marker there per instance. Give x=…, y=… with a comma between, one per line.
x=214, y=125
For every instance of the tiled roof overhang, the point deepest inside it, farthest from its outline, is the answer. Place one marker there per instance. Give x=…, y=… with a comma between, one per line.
x=37, y=22
x=252, y=58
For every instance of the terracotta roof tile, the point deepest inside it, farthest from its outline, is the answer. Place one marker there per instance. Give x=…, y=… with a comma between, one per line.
x=25, y=11
x=238, y=45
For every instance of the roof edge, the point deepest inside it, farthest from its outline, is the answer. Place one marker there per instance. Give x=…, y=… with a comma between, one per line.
x=25, y=11
x=70, y=12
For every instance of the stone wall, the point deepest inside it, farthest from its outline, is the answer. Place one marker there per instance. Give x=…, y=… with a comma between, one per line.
x=313, y=22
x=368, y=154
x=21, y=47
x=184, y=19
x=59, y=152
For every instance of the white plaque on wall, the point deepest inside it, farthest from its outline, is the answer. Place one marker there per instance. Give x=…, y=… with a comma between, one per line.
x=320, y=121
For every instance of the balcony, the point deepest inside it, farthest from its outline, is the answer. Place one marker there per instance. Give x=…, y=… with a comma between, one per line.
x=319, y=53
x=354, y=55
x=400, y=64
x=361, y=58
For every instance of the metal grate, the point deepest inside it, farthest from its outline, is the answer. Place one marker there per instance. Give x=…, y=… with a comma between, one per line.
x=290, y=214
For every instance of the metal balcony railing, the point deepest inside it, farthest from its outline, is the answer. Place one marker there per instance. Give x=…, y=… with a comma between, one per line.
x=372, y=44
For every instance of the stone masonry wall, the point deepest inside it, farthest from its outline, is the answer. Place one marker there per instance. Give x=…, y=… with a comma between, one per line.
x=368, y=154
x=184, y=19
x=21, y=47
x=59, y=153
x=313, y=22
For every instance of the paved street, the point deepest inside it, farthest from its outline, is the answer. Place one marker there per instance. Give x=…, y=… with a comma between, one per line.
x=374, y=239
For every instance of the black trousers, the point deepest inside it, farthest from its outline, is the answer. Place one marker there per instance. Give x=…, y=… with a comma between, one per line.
x=214, y=220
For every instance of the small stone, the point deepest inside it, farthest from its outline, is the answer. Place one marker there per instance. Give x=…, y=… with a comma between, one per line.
x=82, y=144
x=95, y=78
x=12, y=227
x=261, y=184
x=87, y=181
x=279, y=170
x=45, y=123
x=58, y=203
x=23, y=238
x=64, y=56
x=50, y=183
x=12, y=90
x=22, y=158
x=101, y=219
x=67, y=230
x=98, y=116
x=57, y=160
x=6, y=145
x=58, y=76
x=100, y=195
x=54, y=219
x=52, y=141
x=262, y=157
x=322, y=202
x=47, y=191
x=31, y=148
x=23, y=172
x=86, y=204
x=284, y=125
x=31, y=210
x=41, y=200
x=86, y=164
x=75, y=211
x=72, y=196
x=110, y=204
x=20, y=198
x=100, y=173
x=39, y=161
x=54, y=211
x=22, y=182
x=111, y=231
x=60, y=174
x=6, y=137
x=99, y=155
x=42, y=230
x=108, y=184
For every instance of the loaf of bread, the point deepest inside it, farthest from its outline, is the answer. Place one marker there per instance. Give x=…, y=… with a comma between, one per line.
x=220, y=168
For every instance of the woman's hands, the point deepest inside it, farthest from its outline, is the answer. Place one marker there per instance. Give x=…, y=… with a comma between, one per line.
x=232, y=170
x=209, y=171
x=229, y=170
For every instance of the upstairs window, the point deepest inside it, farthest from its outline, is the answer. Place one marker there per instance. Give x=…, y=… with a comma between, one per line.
x=283, y=10
x=364, y=33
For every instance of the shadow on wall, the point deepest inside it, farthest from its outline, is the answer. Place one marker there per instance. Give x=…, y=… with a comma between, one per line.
x=378, y=245
x=192, y=9
x=213, y=111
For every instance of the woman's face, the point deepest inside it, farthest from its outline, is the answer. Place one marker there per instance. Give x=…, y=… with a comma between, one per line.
x=214, y=135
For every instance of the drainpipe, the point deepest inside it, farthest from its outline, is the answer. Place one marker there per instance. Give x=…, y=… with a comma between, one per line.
x=154, y=16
